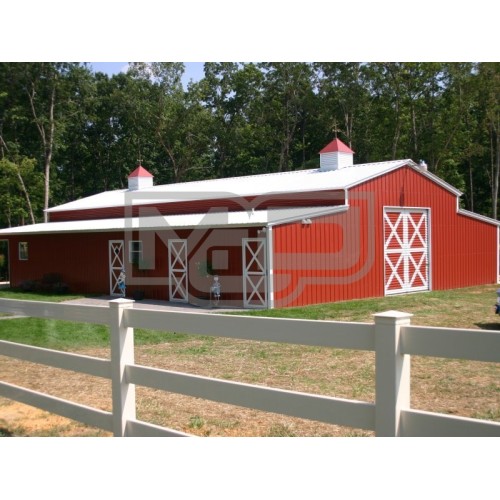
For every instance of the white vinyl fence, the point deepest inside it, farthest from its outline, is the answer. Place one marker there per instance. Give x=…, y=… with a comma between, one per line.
x=392, y=337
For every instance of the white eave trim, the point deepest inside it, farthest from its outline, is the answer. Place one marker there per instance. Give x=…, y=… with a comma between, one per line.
x=257, y=218
x=396, y=166
x=410, y=163
x=482, y=218
x=312, y=212
x=438, y=180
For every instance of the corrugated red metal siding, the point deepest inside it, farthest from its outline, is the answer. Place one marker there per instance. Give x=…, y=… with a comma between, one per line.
x=310, y=266
x=221, y=250
x=463, y=254
x=329, y=260
x=83, y=261
x=463, y=250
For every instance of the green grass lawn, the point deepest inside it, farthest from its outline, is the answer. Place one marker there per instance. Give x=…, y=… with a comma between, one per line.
x=67, y=335
x=461, y=308
x=459, y=387
x=12, y=293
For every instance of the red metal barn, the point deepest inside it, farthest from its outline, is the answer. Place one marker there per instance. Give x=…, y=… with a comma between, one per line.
x=339, y=232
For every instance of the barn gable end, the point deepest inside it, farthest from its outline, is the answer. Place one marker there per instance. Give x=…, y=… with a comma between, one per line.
x=309, y=268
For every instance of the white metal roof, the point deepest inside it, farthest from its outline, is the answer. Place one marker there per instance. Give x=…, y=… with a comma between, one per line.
x=187, y=221
x=298, y=181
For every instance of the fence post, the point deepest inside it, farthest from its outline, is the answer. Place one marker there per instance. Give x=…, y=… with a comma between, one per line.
x=122, y=353
x=392, y=373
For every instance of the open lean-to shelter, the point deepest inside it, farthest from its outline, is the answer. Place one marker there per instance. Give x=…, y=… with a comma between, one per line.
x=341, y=231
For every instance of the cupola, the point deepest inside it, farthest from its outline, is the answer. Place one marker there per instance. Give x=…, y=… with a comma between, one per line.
x=335, y=155
x=140, y=178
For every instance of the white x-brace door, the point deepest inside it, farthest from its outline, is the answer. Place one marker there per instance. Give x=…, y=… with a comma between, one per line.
x=178, y=270
x=406, y=250
x=116, y=264
x=254, y=272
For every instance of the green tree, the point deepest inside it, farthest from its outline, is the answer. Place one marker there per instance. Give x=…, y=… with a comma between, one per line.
x=45, y=86
x=239, y=134
x=176, y=121
x=287, y=98
x=17, y=203
x=84, y=131
x=36, y=99
x=344, y=106
x=489, y=102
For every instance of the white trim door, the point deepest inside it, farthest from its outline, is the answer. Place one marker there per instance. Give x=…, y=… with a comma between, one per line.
x=254, y=273
x=406, y=250
x=177, y=270
x=116, y=265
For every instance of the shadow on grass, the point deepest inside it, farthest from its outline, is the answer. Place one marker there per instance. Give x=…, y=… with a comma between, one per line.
x=489, y=326
x=5, y=432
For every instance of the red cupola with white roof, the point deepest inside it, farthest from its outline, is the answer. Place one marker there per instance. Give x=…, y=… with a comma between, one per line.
x=335, y=155
x=140, y=178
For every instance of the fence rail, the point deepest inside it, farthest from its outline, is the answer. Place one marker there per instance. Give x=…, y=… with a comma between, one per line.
x=391, y=336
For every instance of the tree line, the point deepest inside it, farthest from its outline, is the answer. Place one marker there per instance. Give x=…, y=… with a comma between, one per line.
x=67, y=132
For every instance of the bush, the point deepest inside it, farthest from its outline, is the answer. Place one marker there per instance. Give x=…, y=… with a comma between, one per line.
x=51, y=279
x=60, y=288
x=50, y=283
x=28, y=286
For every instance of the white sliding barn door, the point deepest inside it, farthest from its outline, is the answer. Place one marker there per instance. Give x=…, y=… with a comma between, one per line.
x=254, y=273
x=178, y=270
x=406, y=250
x=116, y=264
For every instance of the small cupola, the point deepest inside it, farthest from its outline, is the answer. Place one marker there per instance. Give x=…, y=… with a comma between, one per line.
x=335, y=155
x=140, y=178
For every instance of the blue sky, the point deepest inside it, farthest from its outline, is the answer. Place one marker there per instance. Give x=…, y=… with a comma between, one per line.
x=194, y=70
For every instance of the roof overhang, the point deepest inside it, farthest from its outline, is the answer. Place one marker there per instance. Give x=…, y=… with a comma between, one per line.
x=270, y=186
x=273, y=185
x=411, y=164
x=482, y=218
x=252, y=218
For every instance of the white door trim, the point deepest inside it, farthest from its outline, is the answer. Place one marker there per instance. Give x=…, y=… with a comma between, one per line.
x=406, y=250
x=116, y=264
x=177, y=271
x=254, y=273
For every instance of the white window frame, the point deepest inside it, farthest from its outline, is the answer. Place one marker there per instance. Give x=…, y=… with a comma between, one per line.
x=23, y=250
x=132, y=252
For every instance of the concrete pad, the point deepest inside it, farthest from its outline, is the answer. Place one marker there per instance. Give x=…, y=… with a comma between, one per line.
x=153, y=304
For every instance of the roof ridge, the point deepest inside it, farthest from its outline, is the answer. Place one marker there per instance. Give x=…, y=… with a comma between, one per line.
x=247, y=185
x=287, y=172
x=253, y=176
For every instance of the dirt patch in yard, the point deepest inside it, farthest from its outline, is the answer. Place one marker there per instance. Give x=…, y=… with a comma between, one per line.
x=192, y=415
x=21, y=420
x=464, y=388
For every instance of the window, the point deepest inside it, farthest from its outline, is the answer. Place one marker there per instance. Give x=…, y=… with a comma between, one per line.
x=220, y=260
x=23, y=250
x=135, y=252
